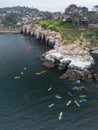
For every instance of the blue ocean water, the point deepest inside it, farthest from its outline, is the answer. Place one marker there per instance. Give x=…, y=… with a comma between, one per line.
x=24, y=102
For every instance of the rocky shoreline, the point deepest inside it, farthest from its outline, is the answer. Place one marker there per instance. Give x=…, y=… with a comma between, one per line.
x=73, y=57
x=14, y=32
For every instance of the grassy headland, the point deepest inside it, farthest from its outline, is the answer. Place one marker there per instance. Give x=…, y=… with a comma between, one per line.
x=56, y=25
x=69, y=31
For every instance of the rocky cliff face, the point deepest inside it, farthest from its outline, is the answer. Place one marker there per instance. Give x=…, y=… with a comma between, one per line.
x=51, y=37
x=74, y=57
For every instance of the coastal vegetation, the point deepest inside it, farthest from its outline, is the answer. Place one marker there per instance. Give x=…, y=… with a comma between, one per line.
x=64, y=28
x=68, y=30
x=69, y=24
x=71, y=36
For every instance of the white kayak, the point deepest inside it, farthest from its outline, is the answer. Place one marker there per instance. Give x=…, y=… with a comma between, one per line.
x=76, y=103
x=58, y=97
x=51, y=105
x=49, y=89
x=17, y=77
x=21, y=73
x=68, y=103
x=60, y=115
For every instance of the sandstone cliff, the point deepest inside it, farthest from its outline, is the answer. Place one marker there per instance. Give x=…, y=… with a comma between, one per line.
x=73, y=57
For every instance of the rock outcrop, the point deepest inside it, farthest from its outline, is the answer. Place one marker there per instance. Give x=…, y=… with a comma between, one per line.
x=51, y=38
x=74, y=57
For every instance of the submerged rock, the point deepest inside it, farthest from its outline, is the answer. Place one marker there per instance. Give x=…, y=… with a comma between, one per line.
x=48, y=65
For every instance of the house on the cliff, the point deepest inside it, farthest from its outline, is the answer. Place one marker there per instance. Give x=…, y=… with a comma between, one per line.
x=81, y=22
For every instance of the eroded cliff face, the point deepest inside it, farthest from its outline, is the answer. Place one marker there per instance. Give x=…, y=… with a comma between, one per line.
x=51, y=37
x=74, y=57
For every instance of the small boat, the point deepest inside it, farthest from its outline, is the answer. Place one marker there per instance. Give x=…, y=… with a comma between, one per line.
x=76, y=103
x=51, y=105
x=58, y=97
x=60, y=115
x=68, y=103
x=49, y=89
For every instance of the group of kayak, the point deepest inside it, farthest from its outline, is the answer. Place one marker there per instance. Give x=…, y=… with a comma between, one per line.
x=81, y=99
x=25, y=68
x=21, y=73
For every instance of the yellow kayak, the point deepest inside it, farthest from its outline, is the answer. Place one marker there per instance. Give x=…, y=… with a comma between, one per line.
x=41, y=72
x=38, y=73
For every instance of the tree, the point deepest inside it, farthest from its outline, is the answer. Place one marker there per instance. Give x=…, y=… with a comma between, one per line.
x=79, y=15
x=96, y=8
x=83, y=11
x=71, y=9
x=10, y=19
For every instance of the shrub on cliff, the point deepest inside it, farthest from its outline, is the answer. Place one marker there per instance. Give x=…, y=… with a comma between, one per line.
x=67, y=30
x=56, y=25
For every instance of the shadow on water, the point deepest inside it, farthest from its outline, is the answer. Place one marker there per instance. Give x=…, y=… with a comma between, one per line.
x=24, y=102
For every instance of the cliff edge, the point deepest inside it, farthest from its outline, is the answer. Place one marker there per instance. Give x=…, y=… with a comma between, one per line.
x=73, y=57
